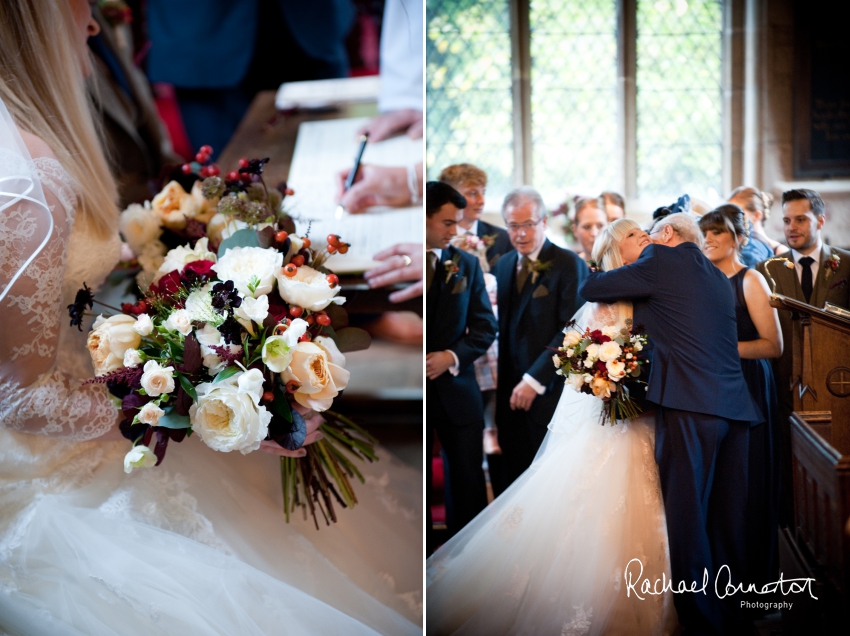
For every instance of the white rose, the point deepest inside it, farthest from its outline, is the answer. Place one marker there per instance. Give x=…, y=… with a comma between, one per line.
x=221, y=223
x=570, y=353
x=139, y=457
x=572, y=338
x=319, y=378
x=144, y=325
x=156, y=379
x=207, y=337
x=177, y=258
x=174, y=205
x=109, y=340
x=556, y=359
x=150, y=414
x=592, y=351
x=250, y=266
x=139, y=226
x=228, y=417
x=588, y=363
x=611, y=332
x=179, y=320
x=132, y=358
x=609, y=351
x=629, y=356
x=309, y=289
x=255, y=309
x=638, y=346
x=576, y=381
x=616, y=370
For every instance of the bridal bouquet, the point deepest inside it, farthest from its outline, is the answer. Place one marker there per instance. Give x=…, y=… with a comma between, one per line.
x=603, y=362
x=238, y=338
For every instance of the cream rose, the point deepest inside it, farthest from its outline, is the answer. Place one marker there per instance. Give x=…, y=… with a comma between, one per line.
x=144, y=325
x=616, y=370
x=602, y=388
x=208, y=337
x=592, y=352
x=139, y=457
x=255, y=309
x=150, y=414
x=206, y=208
x=177, y=258
x=139, y=226
x=179, y=320
x=252, y=266
x=609, y=351
x=174, y=205
x=571, y=338
x=309, y=289
x=576, y=381
x=611, y=332
x=317, y=369
x=132, y=358
x=157, y=379
x=228, y=415
x=109, y=340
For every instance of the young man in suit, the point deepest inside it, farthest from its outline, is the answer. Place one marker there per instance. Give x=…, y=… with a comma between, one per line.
x=471, y=182
x=460, y=327
x=821, y=274
x=537, y=295
x=704, y=408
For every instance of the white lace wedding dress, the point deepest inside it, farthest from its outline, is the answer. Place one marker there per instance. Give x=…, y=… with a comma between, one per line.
x=549, y=555
x=198, y=545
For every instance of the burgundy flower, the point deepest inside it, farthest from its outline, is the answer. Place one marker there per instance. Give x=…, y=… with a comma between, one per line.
x=168, y=285
x=76, y=310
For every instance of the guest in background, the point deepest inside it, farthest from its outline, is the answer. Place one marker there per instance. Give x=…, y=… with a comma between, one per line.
x=589, y=220
x=471, y=182
x=219, y=54
x=138, y=147
x=400, y=99
x=759, y=339
x=538, y=294
x=461, y=326
x=615, y=205
x=756, y=206
x=821, y=274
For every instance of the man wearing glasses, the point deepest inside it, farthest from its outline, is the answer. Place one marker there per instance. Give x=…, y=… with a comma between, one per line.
x=537, y=295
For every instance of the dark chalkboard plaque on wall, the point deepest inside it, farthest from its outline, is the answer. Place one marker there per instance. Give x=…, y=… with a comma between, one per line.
x=821, y=92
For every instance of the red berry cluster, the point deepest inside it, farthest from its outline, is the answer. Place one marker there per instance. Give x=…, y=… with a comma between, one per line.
x=244, y=177
x=138, y=309
x=335, y=245
x=206, y=168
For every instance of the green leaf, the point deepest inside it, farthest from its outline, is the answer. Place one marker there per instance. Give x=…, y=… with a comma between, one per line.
x=187, y=386
x=173, y=420
x=352, y=339
x=226, y=373
x=240, y=238
x=280, y=405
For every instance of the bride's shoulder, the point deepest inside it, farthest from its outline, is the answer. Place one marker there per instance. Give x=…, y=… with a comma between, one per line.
x=36, y=146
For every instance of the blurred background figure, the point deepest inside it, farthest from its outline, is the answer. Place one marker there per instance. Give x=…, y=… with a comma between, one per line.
x=615, y=205
x=756, y=205
x=589, y=220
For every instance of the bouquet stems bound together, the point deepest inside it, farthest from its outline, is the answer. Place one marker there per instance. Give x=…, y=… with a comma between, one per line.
x=238, y=335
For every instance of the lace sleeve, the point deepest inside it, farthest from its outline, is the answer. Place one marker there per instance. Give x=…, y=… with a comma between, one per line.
x=36, y=394
x=599, y=315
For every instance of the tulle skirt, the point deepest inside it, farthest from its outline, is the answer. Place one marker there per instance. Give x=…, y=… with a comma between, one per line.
x=549, y=556
x=197, y=546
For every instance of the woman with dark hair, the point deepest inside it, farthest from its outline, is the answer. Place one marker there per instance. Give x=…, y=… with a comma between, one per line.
x=759, y=338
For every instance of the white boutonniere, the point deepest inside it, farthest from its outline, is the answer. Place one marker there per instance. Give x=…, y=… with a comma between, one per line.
x=832, y=264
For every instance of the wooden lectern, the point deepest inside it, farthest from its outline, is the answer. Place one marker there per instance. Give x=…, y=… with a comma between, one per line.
x=818, y=543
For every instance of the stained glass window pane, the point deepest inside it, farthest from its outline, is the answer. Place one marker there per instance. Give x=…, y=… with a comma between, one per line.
x=468, y=89
x=679, y=98
x=574, y=96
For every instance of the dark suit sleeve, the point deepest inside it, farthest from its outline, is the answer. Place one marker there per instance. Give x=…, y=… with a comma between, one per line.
x=542, y=369
x=624, y=283
x=481, y=324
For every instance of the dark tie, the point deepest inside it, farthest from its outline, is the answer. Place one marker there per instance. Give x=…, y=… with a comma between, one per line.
x=522, y=275
x=432, y=269
x=806, y=278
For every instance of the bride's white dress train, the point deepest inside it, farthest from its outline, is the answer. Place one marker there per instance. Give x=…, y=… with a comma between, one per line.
x=549, y=555
x=196, y=546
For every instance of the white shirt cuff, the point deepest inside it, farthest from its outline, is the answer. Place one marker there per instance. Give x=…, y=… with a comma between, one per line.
x=534, y=384
x=455, y=368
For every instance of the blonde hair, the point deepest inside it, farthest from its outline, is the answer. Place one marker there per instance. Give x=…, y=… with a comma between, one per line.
x=464, y=174
x=43, y=87
x=606, y=249
x=757, y=201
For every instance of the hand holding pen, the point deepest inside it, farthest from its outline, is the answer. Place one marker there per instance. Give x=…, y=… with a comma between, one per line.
x=380, y=185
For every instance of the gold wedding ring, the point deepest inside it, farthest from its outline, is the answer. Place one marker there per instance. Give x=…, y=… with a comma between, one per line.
x=407, y=260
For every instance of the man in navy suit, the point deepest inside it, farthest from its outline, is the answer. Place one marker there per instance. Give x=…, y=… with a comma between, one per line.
x=686, y=307
x=471, y=182
x=537, y=295
x=461, y=326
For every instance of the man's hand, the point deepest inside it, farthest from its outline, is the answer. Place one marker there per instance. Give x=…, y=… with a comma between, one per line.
x=522, y=397
x=373, y=185
x=313, y=419
x=407, y=121
x=395, y=268
x=437, y=363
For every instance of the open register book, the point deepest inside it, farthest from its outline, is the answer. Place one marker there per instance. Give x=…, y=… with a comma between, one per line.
x=324, y=148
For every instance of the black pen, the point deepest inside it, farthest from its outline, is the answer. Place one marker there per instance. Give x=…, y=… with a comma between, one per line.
x=351, y=175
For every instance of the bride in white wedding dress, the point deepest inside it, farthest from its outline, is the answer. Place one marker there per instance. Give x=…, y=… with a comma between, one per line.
x=549, y=556
x=198, y=545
